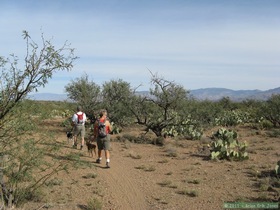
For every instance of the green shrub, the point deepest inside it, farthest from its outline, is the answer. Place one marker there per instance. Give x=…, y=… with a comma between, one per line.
x=94, y=204
x=277, y=168
x=262, y=124
x=67, y=123
x=275, y=133
x=115, y=129
x=270, y=110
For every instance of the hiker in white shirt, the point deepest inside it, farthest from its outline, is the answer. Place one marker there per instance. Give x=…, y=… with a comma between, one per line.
x=79, y=120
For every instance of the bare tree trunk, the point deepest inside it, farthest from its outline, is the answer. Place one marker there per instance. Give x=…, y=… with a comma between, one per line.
x=3, y=189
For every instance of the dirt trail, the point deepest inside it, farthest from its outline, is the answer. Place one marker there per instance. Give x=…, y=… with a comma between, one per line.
x=121, y=187
x=177, y=176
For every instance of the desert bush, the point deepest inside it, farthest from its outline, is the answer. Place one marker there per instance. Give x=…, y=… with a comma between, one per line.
x=85, y=92
x=232, y=118
x=201, y=112
x=263, y=124
x=67, y=123
x=94, y=204
x=270, y=110
x=277, y=168
x=160, y=109
x=227, y=146
x=24, y=170
x=115, y=128
x=274, y=133
x=117, y=98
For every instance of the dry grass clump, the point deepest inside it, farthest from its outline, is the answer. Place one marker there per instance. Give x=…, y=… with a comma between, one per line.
x=146, y=168
x=191, y=193
x=163, y=161
x=171, y=151
x=90, y=176
x=167, y=183
x=133, y=155
x=94, y=204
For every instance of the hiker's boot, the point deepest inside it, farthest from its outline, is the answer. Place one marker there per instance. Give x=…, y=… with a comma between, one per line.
x=107, y=165
x=98, y=160
x=81, y=147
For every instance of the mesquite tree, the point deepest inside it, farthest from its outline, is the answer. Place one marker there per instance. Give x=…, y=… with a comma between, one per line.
x=271, y=110
x=84, y=92
x=20, y=152
x=116, y=97
x=160, y=109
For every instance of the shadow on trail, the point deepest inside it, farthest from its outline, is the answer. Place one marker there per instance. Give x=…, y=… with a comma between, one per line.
x=203, y=157
x=83, y=207
x=97, y=165
x=72, y=157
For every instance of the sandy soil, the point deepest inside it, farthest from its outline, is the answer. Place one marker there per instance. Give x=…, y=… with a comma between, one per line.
x=178, y=175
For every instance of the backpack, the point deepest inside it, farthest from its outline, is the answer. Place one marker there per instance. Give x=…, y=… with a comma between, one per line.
x=80, y=118
x=101, y=129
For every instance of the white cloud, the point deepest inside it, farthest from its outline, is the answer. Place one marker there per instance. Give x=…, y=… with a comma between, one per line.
x=198, y=45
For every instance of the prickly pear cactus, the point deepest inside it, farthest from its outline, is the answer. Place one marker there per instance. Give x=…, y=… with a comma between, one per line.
x=226, y=146
x=232, y=118
x=115, y=129
x=188, y=128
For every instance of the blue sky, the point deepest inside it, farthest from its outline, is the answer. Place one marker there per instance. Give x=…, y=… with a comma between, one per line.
x=231, y=44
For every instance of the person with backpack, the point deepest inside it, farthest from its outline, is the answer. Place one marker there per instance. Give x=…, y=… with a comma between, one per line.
x=102, y=129
x=78, y=120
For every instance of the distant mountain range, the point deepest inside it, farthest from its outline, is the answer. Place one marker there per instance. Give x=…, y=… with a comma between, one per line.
x=48, y=97
x=212, y=94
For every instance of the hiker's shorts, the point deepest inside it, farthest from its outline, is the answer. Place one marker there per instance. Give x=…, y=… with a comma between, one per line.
x=79, y=130
x=103, y=143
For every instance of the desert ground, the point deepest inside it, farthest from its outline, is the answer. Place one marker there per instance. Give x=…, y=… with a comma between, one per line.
x=177, y=175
